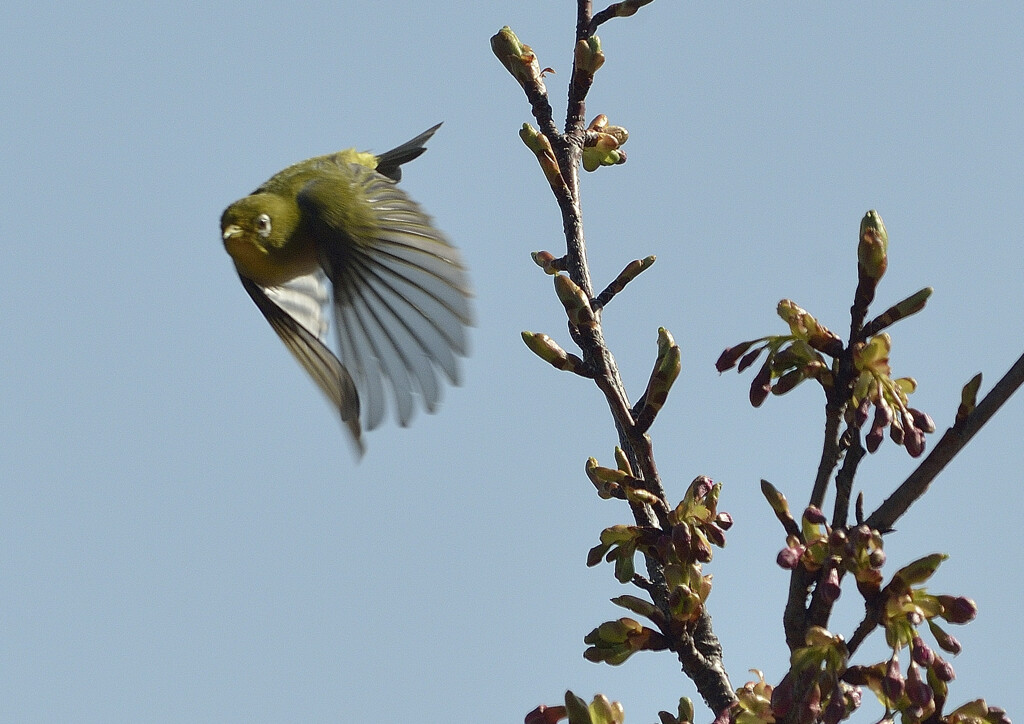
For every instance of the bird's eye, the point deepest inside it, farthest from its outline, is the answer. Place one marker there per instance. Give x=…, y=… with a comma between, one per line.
x=263, y=225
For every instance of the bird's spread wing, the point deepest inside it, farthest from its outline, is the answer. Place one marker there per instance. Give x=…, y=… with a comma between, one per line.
x=296, y=312
x=401, y=293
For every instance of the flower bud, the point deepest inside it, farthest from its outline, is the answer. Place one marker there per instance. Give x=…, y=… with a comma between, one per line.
x=876, y=558
x=922, y=420
x=914, y=442
x=830, y=589
x=789, y=557
x=874, y=438
x=942, y=669
x=727, y=360
x=546, y=715
x=760, y=386
x=946, y=642
x=921, y=652
x=892, y=682
x=814, y=515
x=958, y=609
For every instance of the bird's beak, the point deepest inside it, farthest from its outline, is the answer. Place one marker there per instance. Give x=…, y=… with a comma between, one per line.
x=231, y=230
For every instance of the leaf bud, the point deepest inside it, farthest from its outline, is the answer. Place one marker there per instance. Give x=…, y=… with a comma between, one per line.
x=968, y=398
x=575, y=301
x=517, y=57
x=588, y=55
x=872, y=251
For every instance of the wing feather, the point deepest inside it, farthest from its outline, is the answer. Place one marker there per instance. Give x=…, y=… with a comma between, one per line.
x=400, y=290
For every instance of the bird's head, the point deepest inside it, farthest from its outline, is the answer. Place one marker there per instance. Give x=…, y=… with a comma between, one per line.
x=256, y=231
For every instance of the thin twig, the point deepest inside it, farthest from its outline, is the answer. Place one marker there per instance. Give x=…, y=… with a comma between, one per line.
x=952, y=442
x=844, y=480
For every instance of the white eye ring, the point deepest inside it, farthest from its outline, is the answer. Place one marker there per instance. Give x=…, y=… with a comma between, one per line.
x=263, y=225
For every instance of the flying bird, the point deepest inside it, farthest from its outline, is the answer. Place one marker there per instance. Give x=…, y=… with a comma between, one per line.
x=336, y=232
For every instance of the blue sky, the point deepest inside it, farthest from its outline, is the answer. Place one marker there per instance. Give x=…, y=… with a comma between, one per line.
x=184, y=534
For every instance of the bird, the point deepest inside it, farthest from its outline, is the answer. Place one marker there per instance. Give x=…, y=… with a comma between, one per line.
x=335, y=232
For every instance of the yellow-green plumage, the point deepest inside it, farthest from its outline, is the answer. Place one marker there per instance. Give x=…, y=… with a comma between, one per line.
x=399, y=292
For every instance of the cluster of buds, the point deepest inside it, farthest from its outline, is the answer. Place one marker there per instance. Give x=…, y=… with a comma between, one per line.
x=577, y=711
x=753, y=703
x=693, y=527
x=874, y=386
x=814, y=545
x=792, y=358
x=615, y=641
x=602, y=145
x=904, y=607
x=813, y=690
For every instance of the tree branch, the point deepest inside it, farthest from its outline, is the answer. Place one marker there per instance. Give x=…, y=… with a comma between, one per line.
x=952, y=442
